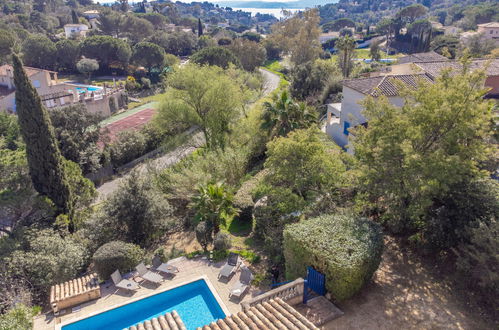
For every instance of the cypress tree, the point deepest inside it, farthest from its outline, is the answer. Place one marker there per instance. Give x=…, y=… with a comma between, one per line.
x=45, y=162
x=74, y=16
x=200, y=28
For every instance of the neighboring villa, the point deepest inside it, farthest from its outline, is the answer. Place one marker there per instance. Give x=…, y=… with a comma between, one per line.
x=410, y=71
x=58, y=94
x=487, y=30
x=75, y=30
x=93, y=18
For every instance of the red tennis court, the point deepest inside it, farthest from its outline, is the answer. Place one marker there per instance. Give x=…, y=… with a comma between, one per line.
x=132, y=122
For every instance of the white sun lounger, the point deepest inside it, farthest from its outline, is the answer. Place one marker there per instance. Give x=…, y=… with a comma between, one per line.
x=242, y=284
x=230, y=266
x=147, y=274
x=122, y=283
x=164, y=267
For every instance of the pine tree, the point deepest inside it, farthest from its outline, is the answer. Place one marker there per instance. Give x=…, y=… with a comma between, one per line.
x=45, y=162
x=200, y=28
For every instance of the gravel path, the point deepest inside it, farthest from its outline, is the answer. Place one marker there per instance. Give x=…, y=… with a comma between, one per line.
x=271, y=81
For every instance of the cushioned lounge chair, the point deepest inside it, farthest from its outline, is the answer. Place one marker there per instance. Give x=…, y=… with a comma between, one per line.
x=122, y=283
x=164, y=267
x=230, y=266
x=147, y=274
x=242, y=284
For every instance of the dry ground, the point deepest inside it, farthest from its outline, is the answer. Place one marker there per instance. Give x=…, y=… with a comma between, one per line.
x=406, y=294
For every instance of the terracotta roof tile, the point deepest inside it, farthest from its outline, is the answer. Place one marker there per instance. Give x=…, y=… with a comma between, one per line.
x=272, y=315
x=168, y=321
x=435, y=68
x=385, y=85
x=422, y=57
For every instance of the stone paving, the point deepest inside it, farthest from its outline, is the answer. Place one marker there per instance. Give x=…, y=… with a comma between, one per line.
x=189, y=270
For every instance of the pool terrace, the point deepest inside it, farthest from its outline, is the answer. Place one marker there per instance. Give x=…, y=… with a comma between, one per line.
x=189, y=270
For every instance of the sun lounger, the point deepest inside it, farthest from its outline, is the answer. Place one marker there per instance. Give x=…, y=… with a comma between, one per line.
x=122, y=283
x=242, y=284
x=74, y=292
x=230, y=266
x=147, y=274
x=163, y=267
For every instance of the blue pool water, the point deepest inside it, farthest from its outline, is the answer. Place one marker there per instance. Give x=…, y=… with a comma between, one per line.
x=194, y=302
x=89, y=88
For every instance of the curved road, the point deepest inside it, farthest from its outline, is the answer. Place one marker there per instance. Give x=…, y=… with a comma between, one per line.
x=270, y=83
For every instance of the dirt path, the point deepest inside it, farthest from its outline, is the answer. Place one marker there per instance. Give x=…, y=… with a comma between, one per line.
x=271, y=81
x=405, y=295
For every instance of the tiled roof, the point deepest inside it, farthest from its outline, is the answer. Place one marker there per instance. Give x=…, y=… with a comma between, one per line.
x=422, y=57
x=435, y=68
x=29, y=70
x=272, y=315
x=73, y=288
x=385, y=85
x=168, y=321
x=490, y=25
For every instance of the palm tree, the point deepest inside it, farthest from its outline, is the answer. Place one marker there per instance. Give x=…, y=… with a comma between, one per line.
x=284, y=115
x=214, y=204
x=346, y=48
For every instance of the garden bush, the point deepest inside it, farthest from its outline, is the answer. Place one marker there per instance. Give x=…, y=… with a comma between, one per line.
x=129, y=146
x=345, y=248
x=222, y=241
x=45, y=259
x=116, y=255
x=243, y=199
x=277, y=208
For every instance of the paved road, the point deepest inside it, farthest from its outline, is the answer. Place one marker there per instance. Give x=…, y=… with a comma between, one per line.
x=271, y=82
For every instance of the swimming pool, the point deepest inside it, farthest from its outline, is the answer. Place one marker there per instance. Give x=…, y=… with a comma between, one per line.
x=194, y=302
x=89, y=88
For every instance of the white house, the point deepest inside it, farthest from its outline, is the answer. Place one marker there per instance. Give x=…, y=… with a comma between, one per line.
x=55, y=93
x=75, y=30
x=348, y=114
x=341, y=117
x=490, y=31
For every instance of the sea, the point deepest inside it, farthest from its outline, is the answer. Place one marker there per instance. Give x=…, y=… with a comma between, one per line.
x=277, y=12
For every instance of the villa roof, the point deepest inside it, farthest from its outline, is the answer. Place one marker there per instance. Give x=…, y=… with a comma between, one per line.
x=385, y=85
x=271, y=315
x=29, y=70
x=490, y=25
x=422, y=57
x=168, y=321
x=435, y=68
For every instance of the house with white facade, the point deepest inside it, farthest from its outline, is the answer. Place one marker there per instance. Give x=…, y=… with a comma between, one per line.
x=55, y=93
x=490, y=31
x=348, y=114
x=75, y=30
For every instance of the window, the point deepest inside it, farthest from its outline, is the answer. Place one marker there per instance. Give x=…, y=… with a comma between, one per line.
x=36, y=83
x=491, y=31
x=346, y=126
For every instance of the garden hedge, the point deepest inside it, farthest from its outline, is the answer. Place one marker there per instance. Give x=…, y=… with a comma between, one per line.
x=116, y=255
x=344, y=248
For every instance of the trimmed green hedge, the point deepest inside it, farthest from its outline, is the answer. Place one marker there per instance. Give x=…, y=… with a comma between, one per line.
x=116, y=255
x=344, y=248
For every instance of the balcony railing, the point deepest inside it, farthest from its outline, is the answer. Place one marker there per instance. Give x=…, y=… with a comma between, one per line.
x=291, y=291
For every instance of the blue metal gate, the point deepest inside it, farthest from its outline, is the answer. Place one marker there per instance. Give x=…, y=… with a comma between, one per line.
x=315, y=281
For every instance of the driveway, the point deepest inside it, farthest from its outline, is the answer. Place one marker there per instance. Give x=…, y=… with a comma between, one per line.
x=270, y=81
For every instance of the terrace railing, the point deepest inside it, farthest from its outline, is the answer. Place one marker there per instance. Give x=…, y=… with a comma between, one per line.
x=292, y=293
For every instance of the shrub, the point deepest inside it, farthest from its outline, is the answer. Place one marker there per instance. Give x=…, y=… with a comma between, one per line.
x=18, y=318
x=129, y=146
x=204, y=234
x=116, y=255
x=243, y=199
x=478, y=261
x=146, y=83
x=47, y=259
x=277, y=208
x=222, y=241
x=344, y=248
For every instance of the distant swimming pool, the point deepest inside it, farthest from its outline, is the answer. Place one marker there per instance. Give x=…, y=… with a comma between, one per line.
x=194, y=302
x=89, y=88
